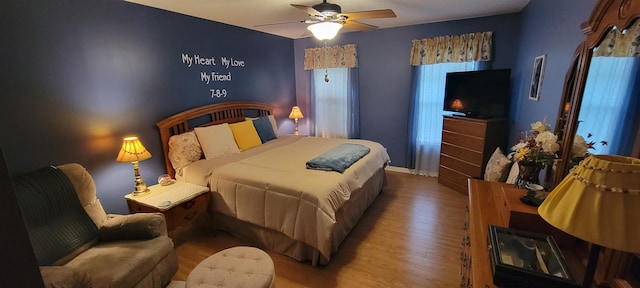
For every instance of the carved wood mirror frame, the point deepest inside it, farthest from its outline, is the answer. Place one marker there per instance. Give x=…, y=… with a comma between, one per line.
x=606, y=15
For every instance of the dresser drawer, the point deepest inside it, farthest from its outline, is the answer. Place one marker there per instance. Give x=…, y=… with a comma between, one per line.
x=469, y=142
x=471, y=156
x=465, y=127
x=469, y=169
x=453, y=179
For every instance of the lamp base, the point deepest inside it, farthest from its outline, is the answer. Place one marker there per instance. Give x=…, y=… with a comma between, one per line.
x=140, y=188
x=141, y=192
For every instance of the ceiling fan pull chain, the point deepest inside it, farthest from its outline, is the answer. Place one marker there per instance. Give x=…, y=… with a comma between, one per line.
x=326, y=70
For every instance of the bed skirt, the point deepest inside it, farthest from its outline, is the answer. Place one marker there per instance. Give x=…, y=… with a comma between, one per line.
x=346, y=218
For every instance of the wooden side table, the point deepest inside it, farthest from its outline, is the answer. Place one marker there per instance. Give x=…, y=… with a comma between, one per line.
x=180, y=202
x=498, y=204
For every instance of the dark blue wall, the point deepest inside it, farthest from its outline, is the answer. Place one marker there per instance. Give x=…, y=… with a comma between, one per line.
x=77, y=76
x=551, y=28
x=385, y=73
x=544, y=27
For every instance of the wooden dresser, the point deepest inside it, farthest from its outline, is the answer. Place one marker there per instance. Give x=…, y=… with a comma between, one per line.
x=467, y=145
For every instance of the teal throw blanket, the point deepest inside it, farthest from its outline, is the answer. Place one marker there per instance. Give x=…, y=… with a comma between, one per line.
x=56, y=222
x=339, y=158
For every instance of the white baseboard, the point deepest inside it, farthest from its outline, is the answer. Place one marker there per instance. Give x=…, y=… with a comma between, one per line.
x=399, y=169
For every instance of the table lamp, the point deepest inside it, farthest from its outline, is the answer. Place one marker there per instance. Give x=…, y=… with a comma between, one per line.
x=598, y=202
x=296, y=114
x=133, y=151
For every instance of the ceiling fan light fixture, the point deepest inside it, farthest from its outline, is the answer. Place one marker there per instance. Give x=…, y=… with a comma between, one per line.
x=325, y=30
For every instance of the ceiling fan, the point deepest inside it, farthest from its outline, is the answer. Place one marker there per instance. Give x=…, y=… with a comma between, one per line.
x=327, y=18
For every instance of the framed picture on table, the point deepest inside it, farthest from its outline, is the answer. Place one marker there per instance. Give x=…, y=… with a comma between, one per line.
x=526, y=259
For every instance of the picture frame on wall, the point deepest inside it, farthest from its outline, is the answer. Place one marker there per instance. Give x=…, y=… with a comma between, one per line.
x=536, y=78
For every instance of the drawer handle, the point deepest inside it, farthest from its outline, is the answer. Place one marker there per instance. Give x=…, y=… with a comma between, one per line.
x=189, y=217
x=189, y=204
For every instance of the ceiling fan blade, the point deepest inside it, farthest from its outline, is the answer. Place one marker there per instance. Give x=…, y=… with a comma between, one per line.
x=308, y=9
x=280, y=23
x=384, y=13
x=355, y=25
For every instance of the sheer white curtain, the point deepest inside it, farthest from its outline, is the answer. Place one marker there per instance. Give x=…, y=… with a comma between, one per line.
x=335, y=103
x=427, y=116
x=608, y=96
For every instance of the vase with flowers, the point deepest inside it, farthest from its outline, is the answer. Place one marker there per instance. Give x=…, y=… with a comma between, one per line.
x=534, y=151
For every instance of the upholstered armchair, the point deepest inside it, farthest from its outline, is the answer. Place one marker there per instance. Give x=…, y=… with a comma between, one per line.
x=78, y=245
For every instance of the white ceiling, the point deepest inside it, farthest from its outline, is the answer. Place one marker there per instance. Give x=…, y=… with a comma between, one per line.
x=249, y=13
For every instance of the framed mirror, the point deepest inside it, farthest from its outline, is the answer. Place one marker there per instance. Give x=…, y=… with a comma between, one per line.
x=599, y=111
x=601, y=102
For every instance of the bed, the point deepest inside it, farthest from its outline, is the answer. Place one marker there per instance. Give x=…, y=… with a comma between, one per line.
x=264, y=192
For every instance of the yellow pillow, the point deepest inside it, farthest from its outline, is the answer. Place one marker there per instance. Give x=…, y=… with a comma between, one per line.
x=245, y=135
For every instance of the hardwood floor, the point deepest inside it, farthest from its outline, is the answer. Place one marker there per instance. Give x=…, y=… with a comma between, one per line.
x=410, y=237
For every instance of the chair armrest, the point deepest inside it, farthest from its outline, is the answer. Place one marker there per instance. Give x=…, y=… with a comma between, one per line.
x=139, y=226
x=62, y=276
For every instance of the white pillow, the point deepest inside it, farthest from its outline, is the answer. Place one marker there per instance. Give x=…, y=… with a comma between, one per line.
x=216, y=141
x=497, y=167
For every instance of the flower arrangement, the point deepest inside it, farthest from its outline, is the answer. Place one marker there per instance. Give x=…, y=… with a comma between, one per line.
x=538, y=147
x=581, y=147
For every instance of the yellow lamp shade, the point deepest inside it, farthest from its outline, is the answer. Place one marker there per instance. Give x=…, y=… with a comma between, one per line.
x=599, y=202
x=132, y=150
x=296, y=113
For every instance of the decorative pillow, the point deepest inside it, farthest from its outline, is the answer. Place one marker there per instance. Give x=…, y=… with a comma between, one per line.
x=245, y=134
x=216, y=140
x=264, y=129
x=497, y=167
x=272, y=119
x=184, y=149
x=513, y=174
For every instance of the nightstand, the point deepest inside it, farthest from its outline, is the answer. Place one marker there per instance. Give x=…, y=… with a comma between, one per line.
x=180, y=202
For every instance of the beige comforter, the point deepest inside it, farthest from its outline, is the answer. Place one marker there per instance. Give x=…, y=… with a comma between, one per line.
x=270, y=186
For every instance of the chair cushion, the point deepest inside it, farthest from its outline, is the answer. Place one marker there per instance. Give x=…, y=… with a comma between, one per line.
x=61, y=276
x=122, y=263
x=56, y=221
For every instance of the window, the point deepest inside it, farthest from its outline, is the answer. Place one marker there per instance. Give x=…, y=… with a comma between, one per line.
x=429, y=83
x=608, y=103
x=335, y=103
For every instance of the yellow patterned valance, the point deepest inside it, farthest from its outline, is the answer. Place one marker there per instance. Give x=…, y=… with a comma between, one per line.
x=331, y=57
x=617, y=44
x=452, y=48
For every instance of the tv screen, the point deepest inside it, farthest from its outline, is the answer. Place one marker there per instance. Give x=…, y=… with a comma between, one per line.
x=479, y=94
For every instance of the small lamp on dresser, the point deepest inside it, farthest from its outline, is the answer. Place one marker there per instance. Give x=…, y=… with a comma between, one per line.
x=598, y=202
x=296, y=114
x=133, y=151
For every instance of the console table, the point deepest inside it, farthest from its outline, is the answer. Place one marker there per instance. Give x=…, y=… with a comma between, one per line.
x=495, y=203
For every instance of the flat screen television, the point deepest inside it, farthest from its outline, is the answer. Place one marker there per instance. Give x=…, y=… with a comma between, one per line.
x=478, y=94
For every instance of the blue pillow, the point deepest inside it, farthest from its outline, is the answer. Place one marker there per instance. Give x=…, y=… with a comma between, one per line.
x=264, y=129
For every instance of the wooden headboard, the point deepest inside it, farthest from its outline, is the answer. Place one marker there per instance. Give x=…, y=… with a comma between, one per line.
x=212, y=114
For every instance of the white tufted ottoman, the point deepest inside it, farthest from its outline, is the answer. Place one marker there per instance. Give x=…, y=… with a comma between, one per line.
x=234, y=268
